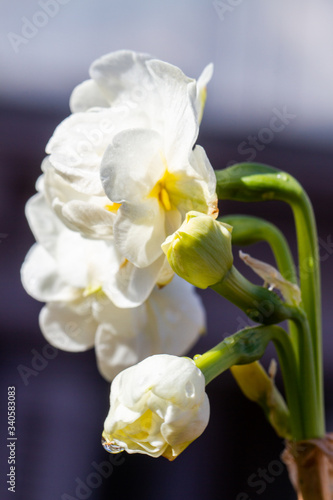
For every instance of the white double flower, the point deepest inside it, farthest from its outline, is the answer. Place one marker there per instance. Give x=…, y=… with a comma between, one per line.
x=77, y=278
x=121, y=172
x=123, y=166
x=158, y=407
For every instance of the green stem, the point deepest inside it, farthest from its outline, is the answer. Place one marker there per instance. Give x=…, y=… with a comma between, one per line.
x=265, y=307
x=256, y=182
x=248, y=230
x=260, y=305
x=249, y=345
x=309, y=271
x=313, y=426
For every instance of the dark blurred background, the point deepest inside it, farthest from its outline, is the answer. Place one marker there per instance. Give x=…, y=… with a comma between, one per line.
x=271, y=59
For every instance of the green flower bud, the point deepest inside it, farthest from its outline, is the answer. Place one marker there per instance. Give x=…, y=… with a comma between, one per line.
x=200, y=250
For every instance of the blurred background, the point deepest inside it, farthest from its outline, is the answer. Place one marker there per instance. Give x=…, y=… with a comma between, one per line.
x=272, y=65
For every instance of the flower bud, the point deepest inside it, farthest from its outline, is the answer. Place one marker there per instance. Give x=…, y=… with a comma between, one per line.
x=200, y=250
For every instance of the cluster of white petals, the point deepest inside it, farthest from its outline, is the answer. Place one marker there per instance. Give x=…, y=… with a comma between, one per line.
x=78, y=279
x=125, y=164
x=158, y=407
x=121, y=173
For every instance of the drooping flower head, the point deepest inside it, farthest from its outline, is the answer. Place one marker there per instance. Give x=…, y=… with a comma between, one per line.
x=158, y=407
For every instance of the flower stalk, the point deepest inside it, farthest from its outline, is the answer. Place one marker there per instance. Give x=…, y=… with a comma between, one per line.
x=249, y=345
x=255, y=182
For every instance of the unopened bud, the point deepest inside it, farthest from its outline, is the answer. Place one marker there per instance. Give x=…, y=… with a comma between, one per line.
x=200, y=250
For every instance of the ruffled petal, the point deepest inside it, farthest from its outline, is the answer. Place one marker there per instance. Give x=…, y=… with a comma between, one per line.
x=177, y=109
x=132, y=165
x=77, y=146
x=65, y=329
x=130, y=286
x=92, y=216
x=177, y=313
x=139, y=232
x=85, y=96
x=203, y=79
x=43, y=223
x=121, y=74
x=41, y=279
x=115, y=352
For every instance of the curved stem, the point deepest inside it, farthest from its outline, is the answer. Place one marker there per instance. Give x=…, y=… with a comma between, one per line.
x=249, y=345
x=256, y=182
x=248, y=230
x=260, y=305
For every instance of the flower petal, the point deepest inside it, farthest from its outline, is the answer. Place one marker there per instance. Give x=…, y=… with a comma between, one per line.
x=118, y=74
x=67, y=330
x=179, y=316
x=77, y=146
x=132, y=165
x=130, y=286
x=203, y=79
x=177, y=107
x=42, y=222
x=92, y=216
x=41, y=279
x=85, y=96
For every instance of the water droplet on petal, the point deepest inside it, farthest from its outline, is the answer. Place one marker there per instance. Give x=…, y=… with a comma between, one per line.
x=197, y=356
x=111, y=446
x=189, y=390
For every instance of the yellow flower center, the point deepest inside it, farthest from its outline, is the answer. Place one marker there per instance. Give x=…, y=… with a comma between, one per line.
x=162, y=190
x=91, y=289
x=113, y=207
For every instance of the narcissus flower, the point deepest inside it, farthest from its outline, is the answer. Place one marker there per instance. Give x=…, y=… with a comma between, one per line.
x=158, y=407
x=134, y=123
x=200, y=250
x=82, y=281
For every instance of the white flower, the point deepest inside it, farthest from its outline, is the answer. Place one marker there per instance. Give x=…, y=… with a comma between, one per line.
x=158, y=407
x=137, y=119
x=82, y=281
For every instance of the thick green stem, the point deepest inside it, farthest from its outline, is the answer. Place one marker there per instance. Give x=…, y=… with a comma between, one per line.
x=255, y=182
x=249, y=345
x=313, y=426
x=248, y=230
x=265, y=307
x=260, y=305
x=309, y=271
